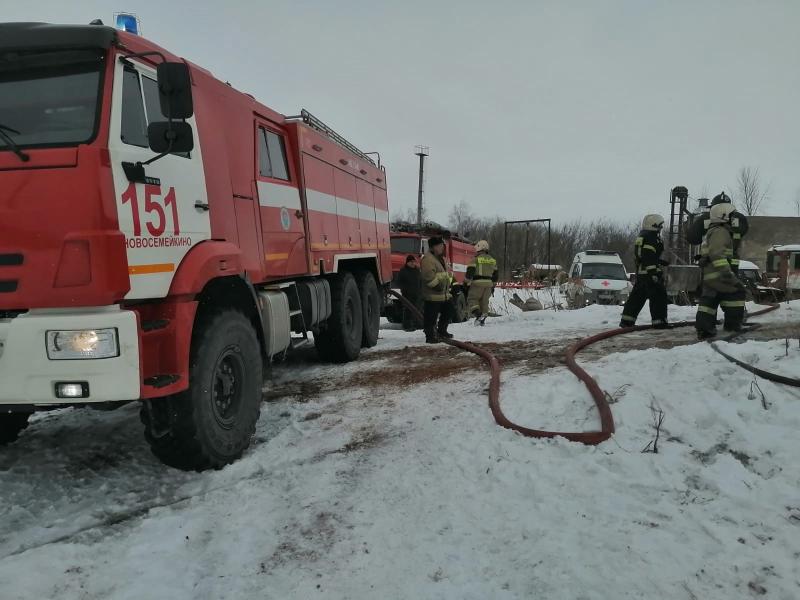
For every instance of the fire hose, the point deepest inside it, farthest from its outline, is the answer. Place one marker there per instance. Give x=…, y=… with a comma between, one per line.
x=599, y=397
x=769, y=376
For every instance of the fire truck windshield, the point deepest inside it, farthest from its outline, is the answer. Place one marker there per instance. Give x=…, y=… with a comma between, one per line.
x=406, y=245
x=49, y=98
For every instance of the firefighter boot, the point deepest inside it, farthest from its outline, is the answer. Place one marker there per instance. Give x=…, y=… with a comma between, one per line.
x=705, y=335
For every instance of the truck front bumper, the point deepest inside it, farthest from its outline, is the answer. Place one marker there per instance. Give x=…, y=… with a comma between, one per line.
x=28, y=376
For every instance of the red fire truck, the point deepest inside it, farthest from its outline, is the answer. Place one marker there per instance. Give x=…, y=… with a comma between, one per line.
x=408, y=238
x=164, y=237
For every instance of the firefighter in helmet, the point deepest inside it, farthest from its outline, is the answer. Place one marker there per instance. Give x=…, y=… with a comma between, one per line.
x=721, y=286
x=739, y=227
x=481, y=278
x=649, y=276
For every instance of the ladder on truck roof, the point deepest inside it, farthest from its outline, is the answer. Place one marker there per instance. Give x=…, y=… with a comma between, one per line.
x=313, y=122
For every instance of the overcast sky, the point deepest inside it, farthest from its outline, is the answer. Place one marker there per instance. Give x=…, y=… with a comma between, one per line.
x=531, y=109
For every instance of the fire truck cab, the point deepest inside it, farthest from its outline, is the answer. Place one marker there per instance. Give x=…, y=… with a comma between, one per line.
x=164, y=237
x=410, y=239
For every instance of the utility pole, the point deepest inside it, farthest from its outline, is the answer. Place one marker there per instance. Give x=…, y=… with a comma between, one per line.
x=422, y=152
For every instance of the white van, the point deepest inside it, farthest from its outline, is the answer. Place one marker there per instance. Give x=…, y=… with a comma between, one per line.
x=596, y=277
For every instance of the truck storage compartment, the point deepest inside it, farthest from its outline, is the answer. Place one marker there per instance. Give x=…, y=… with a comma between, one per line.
x=275, y=312
x=315, y=301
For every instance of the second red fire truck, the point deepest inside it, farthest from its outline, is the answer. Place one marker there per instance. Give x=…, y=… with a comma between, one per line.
x=164, y=237
x=410, y=239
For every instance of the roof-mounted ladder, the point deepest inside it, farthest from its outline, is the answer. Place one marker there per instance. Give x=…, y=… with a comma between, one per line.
x=313, y=122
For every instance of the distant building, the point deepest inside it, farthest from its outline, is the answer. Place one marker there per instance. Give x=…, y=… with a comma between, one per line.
x=766, y=232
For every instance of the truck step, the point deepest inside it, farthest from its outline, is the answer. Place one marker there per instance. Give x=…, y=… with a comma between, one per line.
x=299, y=342
x=159, y=381
x=154, y=325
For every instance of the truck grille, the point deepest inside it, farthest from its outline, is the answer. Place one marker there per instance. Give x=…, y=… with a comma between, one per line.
x=8, y=286
x=10, y=260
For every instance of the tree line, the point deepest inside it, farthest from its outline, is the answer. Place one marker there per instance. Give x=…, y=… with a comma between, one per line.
x=527, y=244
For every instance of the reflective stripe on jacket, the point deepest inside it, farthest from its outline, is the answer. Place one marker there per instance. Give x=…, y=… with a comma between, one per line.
x=435, y=279
x=647, y=252
x=716, y=254
x=482, y=270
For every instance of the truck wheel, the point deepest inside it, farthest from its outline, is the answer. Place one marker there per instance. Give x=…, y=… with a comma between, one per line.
x=211, y=424
x=461, y=308
x=10, y=426
x=340, y=341
x=370, y=309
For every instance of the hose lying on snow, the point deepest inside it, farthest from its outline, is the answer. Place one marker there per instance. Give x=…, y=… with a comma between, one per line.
x=599, y=397
x=774, y=377
x=585, y=437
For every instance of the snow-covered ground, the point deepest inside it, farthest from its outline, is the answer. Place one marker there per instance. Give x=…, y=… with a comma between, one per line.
x=387, y=478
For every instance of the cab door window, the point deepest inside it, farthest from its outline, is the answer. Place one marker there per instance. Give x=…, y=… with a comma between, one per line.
x=140, y=107
x=134, y=120
x=272, y=155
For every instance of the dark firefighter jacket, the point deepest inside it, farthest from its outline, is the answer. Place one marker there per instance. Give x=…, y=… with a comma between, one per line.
x=435, y=279
x=716, y=256
x=482, y=271
x=410, y=282
x=647, y=251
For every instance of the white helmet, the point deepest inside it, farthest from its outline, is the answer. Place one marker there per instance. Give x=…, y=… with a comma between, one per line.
x=721, y=213
x=652, y=223
x=482, y=246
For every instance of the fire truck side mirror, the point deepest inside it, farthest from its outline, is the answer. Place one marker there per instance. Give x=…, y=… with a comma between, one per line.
x=166, y=137
x=175, y=90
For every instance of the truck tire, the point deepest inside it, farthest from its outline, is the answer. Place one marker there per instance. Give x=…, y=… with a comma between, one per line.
x=461, y=308
x=10, y=426
x=340, y=340
x=211, y=424
x=370, y=308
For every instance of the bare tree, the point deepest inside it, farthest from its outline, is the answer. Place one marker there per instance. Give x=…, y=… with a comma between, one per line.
x=407, y=215
x=462, y=220
x=753, y=194
x=797, y=203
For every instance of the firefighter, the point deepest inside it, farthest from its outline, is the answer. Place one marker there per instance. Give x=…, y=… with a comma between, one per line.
x=721, y=286
x=410, y=284
x=649, y=276
x=481, y=278
x=739, y=227
x=436, y=292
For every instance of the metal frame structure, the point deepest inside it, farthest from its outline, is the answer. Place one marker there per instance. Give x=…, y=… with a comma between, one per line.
x=527, y=223
x=678, y=199
x=422, y=152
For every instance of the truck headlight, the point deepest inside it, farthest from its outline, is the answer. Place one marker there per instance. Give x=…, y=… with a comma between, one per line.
x=82, y=344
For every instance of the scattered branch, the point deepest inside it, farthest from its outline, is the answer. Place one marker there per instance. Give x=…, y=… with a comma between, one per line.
x=618, y=394
x=752, y=395
x=658, y=421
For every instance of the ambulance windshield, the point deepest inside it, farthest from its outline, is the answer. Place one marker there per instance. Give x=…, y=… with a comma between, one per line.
x=603, y=271
x=49, y=98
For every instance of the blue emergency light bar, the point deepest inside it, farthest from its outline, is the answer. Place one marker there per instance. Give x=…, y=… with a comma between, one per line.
x=127, y=22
